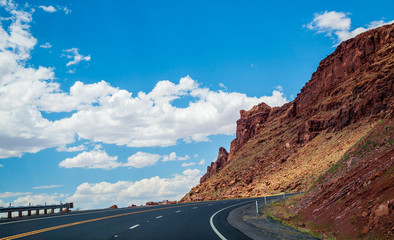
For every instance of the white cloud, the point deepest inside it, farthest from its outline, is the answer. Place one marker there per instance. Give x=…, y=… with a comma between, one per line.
x=188, y=164
x=192, y=172
x=66, y=10
x=151, y=120
x=102, y=113
x=71, y=149
x=50, y=9
x=46, y=45
x=173, y=157
x=338, y=23
x=47, y=187
x=73, y=53
x=125, y=193
x=98, y=158
x=221, y=85
x=39, y=199
x=141, y=159
x=93, y=159
x=13, y=194
x=22, y=127
x=202, y=162
x=330, y=21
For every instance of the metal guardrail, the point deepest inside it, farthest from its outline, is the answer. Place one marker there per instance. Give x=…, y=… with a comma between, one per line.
x=10, y=210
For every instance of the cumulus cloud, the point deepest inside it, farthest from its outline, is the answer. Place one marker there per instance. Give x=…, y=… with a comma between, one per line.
x=101, y=112
x=71, y=149
x=98, y=158
x=50, y=9
x=125, y=193
x=173, y=157
x=13, y=194
x=46, y=45
x=39, y=199
x=221, y=85
x=141, y=159
x=193, y=163
x=47, y=187
x=151, y=119
x=188, y=164
x=94, y=159
x=22, y=127
x=337, y=25
x=66, y=10
x=73, y=53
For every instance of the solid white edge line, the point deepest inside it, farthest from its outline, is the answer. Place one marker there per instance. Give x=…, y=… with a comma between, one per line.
x=211, y=220
x=137, y=225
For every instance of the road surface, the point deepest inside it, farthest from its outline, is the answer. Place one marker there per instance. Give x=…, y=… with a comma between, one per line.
x=200, y=220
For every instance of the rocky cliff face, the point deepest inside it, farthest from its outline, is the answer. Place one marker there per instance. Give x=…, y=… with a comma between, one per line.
x=287, y=148
x=217, y=165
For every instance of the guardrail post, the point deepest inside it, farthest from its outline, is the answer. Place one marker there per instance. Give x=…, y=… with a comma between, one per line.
x=37, y=212
x=19, y=213
x=29, y=213
x=9, y=214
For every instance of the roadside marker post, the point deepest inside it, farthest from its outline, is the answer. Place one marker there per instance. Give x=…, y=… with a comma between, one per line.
x=257, y=208
x=265, y=200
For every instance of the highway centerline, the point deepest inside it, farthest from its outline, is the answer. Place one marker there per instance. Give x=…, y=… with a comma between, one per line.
x=137, y=225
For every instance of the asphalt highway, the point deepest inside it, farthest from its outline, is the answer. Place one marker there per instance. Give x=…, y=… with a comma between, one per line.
x=199, y=220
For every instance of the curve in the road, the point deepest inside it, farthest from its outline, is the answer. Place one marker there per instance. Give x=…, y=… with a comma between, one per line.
x=213, y=215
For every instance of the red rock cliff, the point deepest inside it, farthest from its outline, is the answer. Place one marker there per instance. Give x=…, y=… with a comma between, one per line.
x=289, y=147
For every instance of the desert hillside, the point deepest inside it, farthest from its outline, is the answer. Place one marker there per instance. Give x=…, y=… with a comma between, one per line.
x=288, y=148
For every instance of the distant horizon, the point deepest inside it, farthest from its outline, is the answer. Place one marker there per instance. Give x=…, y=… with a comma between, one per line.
x=127, y=103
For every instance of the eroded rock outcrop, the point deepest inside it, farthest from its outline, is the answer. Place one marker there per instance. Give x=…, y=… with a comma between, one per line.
x=217, y=165
x=249, y=124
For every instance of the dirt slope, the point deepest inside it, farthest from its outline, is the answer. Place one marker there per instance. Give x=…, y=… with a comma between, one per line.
x=355, y=198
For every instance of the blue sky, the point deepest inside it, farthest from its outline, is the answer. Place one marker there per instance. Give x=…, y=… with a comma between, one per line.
x=121, y=102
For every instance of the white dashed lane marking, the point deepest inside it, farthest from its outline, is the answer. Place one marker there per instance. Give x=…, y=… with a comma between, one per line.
x=178, y=211
x=134, y=226
x=159, y=217
x=194, y=207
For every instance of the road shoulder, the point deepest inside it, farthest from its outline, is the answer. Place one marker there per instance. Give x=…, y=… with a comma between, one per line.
x=258, y=227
